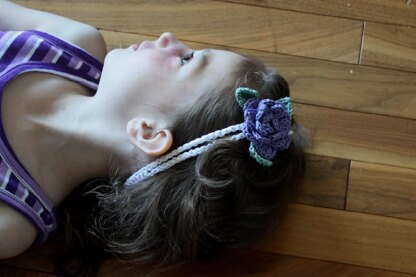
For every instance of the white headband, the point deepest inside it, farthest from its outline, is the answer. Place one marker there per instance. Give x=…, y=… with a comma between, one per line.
x=184, y=152
x=266, y=125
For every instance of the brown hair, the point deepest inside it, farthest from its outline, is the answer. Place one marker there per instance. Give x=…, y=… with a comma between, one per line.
x=221, y=198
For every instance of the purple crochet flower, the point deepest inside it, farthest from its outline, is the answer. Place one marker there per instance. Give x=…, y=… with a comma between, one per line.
x=267, y=126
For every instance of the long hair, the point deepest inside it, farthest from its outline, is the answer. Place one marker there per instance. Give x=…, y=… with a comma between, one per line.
x=220, y=199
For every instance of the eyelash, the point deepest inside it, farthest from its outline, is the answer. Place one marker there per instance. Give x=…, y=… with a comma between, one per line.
x=185, y=59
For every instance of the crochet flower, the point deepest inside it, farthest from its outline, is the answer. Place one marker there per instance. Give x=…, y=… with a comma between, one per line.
x=267, y=127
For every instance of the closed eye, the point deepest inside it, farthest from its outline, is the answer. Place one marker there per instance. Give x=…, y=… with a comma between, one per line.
x=187, y=58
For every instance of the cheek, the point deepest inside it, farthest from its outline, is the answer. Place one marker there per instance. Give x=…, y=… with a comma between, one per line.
x=126, y=60
x=148, y=63
x=146, y=76
x=155, y=63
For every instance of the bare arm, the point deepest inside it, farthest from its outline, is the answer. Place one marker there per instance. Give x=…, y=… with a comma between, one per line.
x=16, y=17
x=16, y=232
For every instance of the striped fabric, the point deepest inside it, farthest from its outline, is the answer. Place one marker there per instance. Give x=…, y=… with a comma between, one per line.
x=24, y=51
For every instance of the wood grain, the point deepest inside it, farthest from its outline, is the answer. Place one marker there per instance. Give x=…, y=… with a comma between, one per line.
x=359, y=136
x=325, y=182
x=383, y=190
x=389, y=46
x=250, y=263
x=221, y=23
x=348, y=87
x=322, y=83
x=386, y=11
x=347, y=237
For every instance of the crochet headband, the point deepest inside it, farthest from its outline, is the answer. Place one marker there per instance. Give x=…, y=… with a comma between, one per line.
x=267, y=125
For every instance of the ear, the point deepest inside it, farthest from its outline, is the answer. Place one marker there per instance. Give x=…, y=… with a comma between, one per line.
x=148, y=137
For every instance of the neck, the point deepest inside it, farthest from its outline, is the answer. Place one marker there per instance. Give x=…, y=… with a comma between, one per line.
x=75, y=143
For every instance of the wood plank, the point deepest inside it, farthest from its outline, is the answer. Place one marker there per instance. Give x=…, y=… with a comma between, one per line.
x=387, y=11
x=348, y=87
x=389, y=46
x=325, y=182
x=321, y=83
x=248, y=262
x=359, y=136
x=383, y=190
x=221, y=23
x=346, y=237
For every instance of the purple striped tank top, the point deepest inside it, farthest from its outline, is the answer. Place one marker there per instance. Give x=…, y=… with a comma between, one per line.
x=24, y=51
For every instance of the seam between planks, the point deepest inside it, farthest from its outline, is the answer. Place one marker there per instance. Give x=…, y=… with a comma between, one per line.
x=347, y=185
x=312, y=13
x=362, y=44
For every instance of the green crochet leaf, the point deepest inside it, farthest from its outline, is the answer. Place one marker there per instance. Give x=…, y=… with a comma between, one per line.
x=258, y=158
x=288, y=103
x=242, y=94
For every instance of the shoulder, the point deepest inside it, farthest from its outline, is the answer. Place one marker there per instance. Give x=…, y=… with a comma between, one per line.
x=16, y=233
x=82, y=35
x=18, y=18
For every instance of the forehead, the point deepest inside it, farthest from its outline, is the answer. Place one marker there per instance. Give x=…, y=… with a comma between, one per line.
x=210, y=74
x=216, y=67
x=222, y=60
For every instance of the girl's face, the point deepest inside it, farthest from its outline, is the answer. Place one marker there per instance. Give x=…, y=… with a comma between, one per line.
x=163, y=76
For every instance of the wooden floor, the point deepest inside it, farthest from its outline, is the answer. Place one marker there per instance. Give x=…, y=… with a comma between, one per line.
x=351, y=66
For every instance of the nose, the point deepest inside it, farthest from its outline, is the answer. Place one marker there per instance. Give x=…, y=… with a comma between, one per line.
x=166, y=39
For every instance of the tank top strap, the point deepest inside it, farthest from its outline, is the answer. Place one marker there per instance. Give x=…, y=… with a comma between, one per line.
x=25, y=51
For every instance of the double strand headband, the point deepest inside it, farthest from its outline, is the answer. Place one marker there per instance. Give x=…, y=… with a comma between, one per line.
x=267, y=125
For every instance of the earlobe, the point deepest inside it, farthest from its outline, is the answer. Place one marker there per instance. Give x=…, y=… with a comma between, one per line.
x=148, y=137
